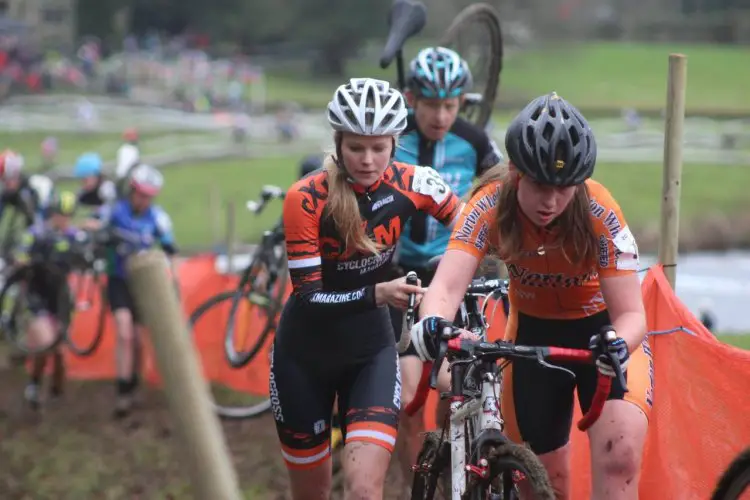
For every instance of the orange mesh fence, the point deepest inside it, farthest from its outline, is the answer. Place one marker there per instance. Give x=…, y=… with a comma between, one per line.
x=701, y=400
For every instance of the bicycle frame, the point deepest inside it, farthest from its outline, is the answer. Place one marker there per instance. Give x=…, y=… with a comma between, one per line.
x=468, y=419
x=265, y=253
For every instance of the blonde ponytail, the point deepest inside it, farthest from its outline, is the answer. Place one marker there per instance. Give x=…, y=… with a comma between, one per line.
x=343, y=208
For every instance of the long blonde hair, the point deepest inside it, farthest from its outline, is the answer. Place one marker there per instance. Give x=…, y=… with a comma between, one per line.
x=575, y=236
x=342, y=205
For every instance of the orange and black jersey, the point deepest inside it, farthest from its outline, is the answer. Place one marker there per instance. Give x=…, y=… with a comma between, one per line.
x=329, y=277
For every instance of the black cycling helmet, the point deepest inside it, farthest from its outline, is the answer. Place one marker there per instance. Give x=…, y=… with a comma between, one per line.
x=310, y=164
x=551, y=142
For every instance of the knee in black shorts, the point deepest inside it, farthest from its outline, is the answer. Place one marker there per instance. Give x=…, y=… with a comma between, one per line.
x=119, y=297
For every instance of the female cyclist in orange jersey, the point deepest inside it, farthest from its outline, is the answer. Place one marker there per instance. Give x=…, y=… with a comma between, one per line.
x=572, y=262
x=335, y=337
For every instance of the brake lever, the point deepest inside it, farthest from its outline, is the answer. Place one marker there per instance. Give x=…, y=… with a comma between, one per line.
x=540, y=359
x=605, y=339
x=442, y=351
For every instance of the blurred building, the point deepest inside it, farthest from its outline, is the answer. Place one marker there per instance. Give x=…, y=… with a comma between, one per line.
x=52, y=23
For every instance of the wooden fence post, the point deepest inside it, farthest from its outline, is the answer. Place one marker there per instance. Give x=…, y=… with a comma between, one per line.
x=203, y=448
x=672, y=172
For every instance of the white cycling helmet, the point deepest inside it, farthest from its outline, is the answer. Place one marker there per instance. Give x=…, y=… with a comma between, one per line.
x=366, y=106
x=146, y=179
x=11, y=164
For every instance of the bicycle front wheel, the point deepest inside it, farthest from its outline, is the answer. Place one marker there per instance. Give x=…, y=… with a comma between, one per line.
x=432, y=472
x=735, y=480
x=508, y=464
x=90, y=293
x=228, y=401
x=16, y=314
x=260, y=295
x=476, y=35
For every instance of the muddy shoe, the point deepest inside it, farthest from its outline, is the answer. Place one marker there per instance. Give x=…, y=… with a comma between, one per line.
x=123, y=406
x=32, y=396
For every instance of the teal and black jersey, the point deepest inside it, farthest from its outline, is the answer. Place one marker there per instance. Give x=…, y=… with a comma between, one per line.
x=465, y=153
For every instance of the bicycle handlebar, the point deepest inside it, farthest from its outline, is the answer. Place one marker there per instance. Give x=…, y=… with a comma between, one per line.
x=267, y=194
x=493, y=351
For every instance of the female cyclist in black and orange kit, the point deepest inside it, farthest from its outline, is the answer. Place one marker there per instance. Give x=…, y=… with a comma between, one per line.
x=572, y=263
x=335, y=336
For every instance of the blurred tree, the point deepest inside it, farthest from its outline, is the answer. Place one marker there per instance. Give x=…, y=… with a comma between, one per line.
x=336, y=29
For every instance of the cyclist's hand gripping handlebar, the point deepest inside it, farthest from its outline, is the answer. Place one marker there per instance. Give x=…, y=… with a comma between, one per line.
x=405, y=340
x=603, y=382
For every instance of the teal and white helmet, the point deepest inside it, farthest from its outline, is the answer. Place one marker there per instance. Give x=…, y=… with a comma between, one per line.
x=439, y=73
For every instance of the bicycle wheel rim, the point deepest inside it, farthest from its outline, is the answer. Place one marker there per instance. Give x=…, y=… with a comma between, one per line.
x=735, y=481
x=238, y=359
x=10, y=321
x=486, y=16
x=86, y=350
x=229, y=412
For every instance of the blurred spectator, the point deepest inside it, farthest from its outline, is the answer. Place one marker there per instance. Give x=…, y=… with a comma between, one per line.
x=632, y=119
x=49, y=148
x=285, y=122
x=87, y=114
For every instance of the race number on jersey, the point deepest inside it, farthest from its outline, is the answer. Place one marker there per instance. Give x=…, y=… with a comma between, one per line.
x=627, y=250
x=428, y=182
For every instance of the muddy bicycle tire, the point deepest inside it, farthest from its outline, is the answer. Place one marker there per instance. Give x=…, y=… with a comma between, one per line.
x=225, y=411
x=9, y=324
x=86, y=350
x=486, y=16
x=505, y=459
x=435, y=458
x=735, y=480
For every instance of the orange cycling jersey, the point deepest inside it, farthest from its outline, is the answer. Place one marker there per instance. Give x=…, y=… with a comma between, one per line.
x=330, y=277
x=543, y=282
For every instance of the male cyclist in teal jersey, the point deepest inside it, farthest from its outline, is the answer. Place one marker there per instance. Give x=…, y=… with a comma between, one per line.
x=459, y=151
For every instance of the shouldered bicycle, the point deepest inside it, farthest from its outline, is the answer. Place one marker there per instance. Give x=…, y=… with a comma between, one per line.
x=253, y=305
x=470, y=458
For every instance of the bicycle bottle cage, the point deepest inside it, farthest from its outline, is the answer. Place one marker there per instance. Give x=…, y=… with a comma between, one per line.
x=406, y=19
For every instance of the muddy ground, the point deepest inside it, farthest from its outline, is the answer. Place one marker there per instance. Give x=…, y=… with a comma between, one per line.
x=73, y=450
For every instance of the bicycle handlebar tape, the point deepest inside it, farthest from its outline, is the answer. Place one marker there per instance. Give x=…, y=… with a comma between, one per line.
x=203, y=445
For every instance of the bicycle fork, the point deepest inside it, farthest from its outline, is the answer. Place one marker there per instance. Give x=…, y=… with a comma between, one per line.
x=467, y=419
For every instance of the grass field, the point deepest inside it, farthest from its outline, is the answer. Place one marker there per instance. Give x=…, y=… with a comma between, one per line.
x=594, y=76
x=705, y=190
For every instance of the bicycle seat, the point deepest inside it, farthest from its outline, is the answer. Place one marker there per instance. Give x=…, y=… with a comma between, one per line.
x=406, y=19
